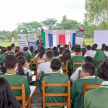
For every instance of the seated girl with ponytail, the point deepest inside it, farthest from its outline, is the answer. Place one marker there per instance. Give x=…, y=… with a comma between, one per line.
x=23, y=67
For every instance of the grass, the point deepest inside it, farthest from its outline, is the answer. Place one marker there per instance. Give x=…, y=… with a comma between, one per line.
x=88, y=41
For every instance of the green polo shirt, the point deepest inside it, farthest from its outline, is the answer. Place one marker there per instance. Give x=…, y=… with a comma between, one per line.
x=77, y=58
x=11, y=52
x=2, y=57
x=77, y=90
x=27, y=56
x=17, y=80
x=97, y=98
x=56, y=77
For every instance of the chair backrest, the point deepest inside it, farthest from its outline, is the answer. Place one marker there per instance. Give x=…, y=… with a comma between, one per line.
x=76, y=63
x=37, y=61
x=85, y=87
x=22, y=87
x=31, y=65
x=65, y=68
x=44, y=75
x=44, y=85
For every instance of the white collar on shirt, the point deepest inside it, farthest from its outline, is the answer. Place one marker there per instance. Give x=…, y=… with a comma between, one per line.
x=105, y=83
x=89, y=77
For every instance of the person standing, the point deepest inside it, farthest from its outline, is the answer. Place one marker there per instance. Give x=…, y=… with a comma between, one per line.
x=40, y=42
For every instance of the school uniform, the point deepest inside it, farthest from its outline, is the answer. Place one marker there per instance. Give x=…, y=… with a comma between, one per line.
x=17, y=80
x=91, y=53
x=11, y=52
x=27, y=56
x=77, y=90
x=97, y=98
x=75, y=75
x=106, y=53
x=56, y=77
x=77, y=58
x=45, y=67
x=73, y=54
x=41, y=61
x=2, y=57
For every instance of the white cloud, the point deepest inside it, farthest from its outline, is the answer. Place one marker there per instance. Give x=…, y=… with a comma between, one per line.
x=18, y=11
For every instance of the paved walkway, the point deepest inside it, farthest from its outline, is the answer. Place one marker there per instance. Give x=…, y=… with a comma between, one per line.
x=36, y=98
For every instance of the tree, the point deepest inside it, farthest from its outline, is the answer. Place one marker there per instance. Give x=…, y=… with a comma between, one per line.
x=50, y=23
x=64, y=18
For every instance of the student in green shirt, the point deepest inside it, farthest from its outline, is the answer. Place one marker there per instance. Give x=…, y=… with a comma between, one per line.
x=7, y=99
x=27, y=54
x=11, y=63
x=66, y=57
x=56, y=77
x=12, y=49
x=88, y=76
x=97, y=98
x=77, y=58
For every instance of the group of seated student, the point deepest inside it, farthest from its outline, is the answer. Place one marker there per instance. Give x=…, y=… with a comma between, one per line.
x=17, y=64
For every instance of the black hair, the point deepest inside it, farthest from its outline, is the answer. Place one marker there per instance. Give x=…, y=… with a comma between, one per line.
x=55, y=64
x=103, y=47
x=66, y=46
x=55, y=50
x=8, y=48
x=16, y=50
x=48, y=48
x=20, y=54
x=95, y=45
x=25, y=48
x=39, y=36
x=41, y=52
x=61, y=50
x=93, y=48
x=12, y=45
x=88, y=47
x=106, y=48
x=10, y=61
x=35, y=52
x=88, y=59
x=21, y=62
x=3, y=50
x=0, y=47
x=103, y=70
x=89, y=67
x=66, y=56
x=72, y=48
x=31, y=49
x=58, y=46
x=7, y=99
x=49, y=54
x=83, y=51
x=77, y=49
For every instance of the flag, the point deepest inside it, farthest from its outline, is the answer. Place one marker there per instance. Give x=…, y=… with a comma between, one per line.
x=12, y=37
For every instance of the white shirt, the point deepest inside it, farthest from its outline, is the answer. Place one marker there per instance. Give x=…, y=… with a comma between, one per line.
x=106, y=53
x=73, y=54
x=75, y=75
x=45, y=67
x=91, y=53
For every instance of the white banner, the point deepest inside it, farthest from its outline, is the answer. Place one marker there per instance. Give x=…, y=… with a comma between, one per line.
x=22, y=41
x=32, y=37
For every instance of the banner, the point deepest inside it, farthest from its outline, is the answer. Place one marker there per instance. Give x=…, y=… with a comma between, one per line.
x=32, y=40
x=22, y=41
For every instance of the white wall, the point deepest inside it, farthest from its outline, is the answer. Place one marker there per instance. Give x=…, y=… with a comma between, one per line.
x=100, y=37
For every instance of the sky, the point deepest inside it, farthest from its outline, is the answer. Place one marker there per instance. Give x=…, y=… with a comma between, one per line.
x=13, y=12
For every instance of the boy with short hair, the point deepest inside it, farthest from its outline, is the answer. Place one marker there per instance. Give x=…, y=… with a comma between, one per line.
x=77, y=58
x=11, y=63
x=27, y=54
x=56, y=77
x=88, y=76
x=12, y=49
x=45, y=67
x=72, y=51
x=75, y=75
